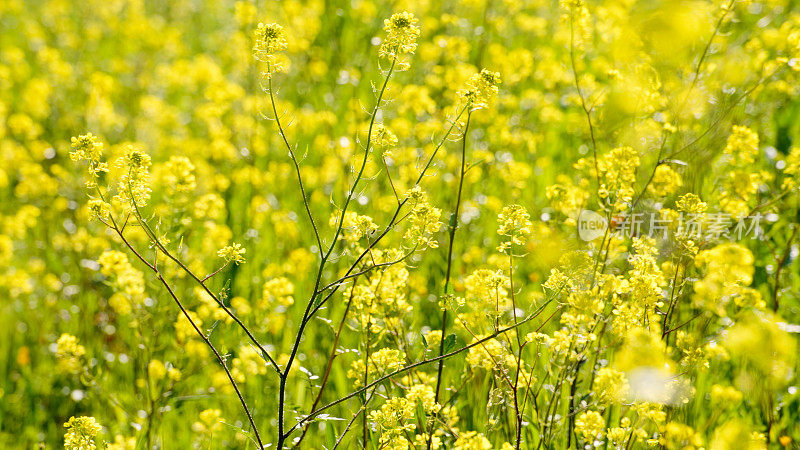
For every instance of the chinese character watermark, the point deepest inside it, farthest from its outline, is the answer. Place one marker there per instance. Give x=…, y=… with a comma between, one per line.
x=711, y=226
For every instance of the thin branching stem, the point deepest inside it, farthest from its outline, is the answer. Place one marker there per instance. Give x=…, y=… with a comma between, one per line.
x=154, y=238
x=296, y=165
x=413, y=366
x=316, y=292
x=199, y=332
x=450, y=246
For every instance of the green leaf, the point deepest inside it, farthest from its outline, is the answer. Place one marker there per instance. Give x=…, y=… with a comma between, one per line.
x=449, y=343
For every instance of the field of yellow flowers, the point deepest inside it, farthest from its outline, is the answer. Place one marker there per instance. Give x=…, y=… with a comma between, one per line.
x=429, y=224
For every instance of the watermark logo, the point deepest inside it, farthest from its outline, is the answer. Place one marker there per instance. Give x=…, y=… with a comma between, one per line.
x=591, y=225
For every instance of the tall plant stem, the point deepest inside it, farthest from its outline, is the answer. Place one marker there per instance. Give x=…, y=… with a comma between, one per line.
x=448, y=271
x=316, y=292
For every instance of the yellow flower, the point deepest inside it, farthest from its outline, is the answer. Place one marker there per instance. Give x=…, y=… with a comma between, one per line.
x=423, y=220
x=611, y=386
x=69, y=354
x=791, y=171
x=691, y=204
x=98, y=209
x=472, y=440
x=590, y=425
x=383, y=138
x=480, y=90
x=183, y=327
x=156, y=369
x=122, y=443
x=232, y=253
x=277, y=290
x=269, y=39
x=764, y=350
x=665, y=181
x=245, y=12
x=127, y=281
x=423, y=395
x=86, y=146
x=735, y=434
x=725, y=396
x=134, y=185
x=742, y=145
x=210, y=421
x=401, y=37
x=179, y=175
x=382, y=362
x=514, y=223
x=680, y=436
x=81, y=432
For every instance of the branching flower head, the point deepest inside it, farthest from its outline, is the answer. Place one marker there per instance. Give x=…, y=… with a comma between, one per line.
x=401, y=38
x=277, y=291
x=354, y=226
x=270, y=40
x=424, y=220
x=514, y=223
x=589, y=425
x=134, y=185
x=665, y=181
x=69, y=354
x=691, y=204
x=383, y=137
x=481, y=89
x=617, y=174
x=88, y=147
x=233, y=253
x=81, y=432
x=742, y=145
x=98, y=209
x=612, y=386
x=576, y=17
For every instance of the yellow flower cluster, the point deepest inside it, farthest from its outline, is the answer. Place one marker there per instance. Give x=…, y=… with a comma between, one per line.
x=480, y=91
x=270, y=40
x=381, y=362
x=127, y=281
x=665, y=181
x=742, y=182
x=560, y=270
x=209, y=421
x=81, y=433
x=514, y=223
x=590, y=425
x=277, y=291
x=401, y=38
x=70, y=354
x=233, y=253
x=88, y=147
x=423, y=220
x=728, y=273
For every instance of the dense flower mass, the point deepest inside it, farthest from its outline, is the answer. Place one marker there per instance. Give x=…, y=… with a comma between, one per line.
x=401, y=37
x=232, y=253
x=81, y=433
x=462, y=224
